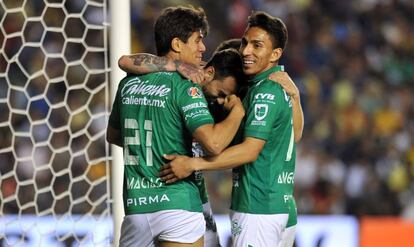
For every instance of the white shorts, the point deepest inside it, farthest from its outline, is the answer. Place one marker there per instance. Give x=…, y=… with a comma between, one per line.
x=167, y=225
x=288, y=237
x=258, y=230
x=211, y=238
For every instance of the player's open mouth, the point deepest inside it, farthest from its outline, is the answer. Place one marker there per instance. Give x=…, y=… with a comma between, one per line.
x=247, y=64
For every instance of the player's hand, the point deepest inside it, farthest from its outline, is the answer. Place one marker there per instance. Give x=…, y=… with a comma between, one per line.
x=286, y=82
x=191, y=72
x=233, y=103
x=179, y=167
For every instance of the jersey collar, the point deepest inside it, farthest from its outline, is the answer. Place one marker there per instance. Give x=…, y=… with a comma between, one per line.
x=265, y=74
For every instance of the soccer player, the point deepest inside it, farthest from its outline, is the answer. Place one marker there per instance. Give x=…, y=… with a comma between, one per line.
x=281, y=77
x=265, y=156
x=145, y=63
x=222, y=76
x=288, y=234
x=216, y=89
x=158, y=113
x=284, y=80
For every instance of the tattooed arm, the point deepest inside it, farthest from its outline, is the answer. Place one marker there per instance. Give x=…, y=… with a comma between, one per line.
x=143, y=63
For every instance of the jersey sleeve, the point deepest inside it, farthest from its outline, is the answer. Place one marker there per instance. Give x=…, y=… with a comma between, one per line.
x=263, y=111
x=193, y=107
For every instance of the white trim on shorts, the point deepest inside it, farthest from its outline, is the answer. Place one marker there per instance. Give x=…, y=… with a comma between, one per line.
x=257, y=230
x=147, y=229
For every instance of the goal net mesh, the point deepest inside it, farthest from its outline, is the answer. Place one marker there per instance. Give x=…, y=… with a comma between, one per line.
x=54, y=98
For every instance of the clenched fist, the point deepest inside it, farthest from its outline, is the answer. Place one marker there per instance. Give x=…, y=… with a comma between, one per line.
x=233, y=103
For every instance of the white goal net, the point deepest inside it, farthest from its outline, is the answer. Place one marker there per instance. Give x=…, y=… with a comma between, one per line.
x=54, y=98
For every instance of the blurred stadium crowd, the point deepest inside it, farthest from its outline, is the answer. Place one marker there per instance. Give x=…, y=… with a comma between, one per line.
x=353, y=62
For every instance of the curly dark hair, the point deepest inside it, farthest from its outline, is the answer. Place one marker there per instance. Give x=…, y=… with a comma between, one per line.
x=178, y=22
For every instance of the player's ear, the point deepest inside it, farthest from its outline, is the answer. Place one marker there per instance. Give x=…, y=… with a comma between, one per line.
x=176, y=44
x=209, y=73
x=276, y=54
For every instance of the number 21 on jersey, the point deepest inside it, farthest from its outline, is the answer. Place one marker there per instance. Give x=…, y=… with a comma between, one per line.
x=132, y=124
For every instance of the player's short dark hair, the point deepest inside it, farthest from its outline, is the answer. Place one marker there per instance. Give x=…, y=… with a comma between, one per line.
x=272, y=25
x=227, y=63
x=178, y=22
x=229, y=43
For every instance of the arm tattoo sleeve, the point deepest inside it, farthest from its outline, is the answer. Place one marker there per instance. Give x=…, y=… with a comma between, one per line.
x=149, y=62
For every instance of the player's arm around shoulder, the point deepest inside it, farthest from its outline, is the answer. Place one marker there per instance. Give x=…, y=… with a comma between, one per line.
x=181, y=166
x=144, y=63
x=283, y=78
x=244, y=153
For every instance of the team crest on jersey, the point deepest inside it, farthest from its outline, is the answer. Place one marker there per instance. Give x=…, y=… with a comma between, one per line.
x=260, y=111
x=194, y=92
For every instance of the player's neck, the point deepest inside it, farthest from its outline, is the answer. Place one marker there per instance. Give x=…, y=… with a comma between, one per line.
x=173, y=55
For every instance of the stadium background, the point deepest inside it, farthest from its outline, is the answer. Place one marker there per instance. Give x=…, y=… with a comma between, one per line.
x=353, y=62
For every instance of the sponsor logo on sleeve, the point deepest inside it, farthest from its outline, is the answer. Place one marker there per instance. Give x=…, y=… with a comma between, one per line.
x=260, y=112
x=194, y=106
x=196, y=114
x=194, y=92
